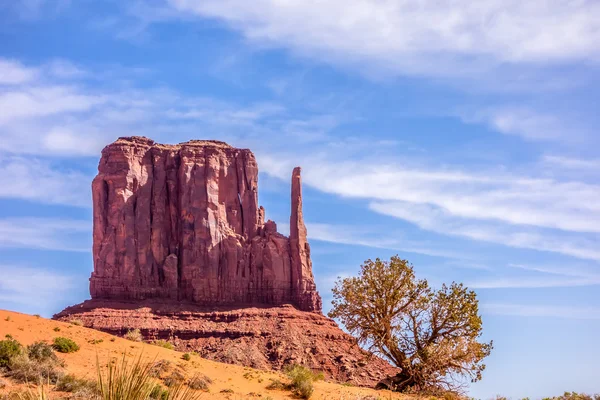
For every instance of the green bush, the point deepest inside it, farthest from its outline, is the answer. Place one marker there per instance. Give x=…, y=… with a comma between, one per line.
x=41, y=351
x=302, y=379
x=9, y=349
x=65, y=345
x=186, y=357
x=164, y=343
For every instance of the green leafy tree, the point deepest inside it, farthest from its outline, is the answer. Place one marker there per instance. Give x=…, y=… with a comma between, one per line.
x=433, y=336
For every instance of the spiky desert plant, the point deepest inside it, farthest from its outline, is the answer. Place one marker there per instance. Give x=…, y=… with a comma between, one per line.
x=123, y=380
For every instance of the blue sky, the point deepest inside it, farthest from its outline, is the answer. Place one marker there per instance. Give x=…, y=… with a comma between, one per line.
x=460, y=135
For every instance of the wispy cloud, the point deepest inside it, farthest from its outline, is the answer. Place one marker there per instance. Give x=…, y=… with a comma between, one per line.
x=46, y=234
x=425, y=39
x=440, y=220
x=553, y=311
x=41, y=181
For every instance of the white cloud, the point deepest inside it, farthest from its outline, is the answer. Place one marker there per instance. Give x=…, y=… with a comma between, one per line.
x=373, y=237
x=40, y=181
x=442, y=221
x=13, y=72
x=456, y=38
x=45, y=234
x=572, y=163
x=552, y=311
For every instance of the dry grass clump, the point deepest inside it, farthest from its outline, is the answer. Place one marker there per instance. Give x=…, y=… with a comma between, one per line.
x=164, y=343
x=199, y=382
x=82, y=387
x=134, y=335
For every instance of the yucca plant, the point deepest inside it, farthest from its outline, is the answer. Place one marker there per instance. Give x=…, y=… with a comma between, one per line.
x=134, y=381
x=124, y=381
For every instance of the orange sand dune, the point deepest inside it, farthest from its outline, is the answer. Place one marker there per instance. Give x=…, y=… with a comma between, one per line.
x=246, y=383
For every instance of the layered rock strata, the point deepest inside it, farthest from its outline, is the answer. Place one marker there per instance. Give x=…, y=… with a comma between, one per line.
x=259, y=337
x=182, y=222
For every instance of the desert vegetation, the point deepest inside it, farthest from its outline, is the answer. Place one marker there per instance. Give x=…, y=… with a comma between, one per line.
x=300, y=382
x=432, y=335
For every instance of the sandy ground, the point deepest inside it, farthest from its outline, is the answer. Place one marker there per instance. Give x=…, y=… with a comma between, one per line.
x=246, y=383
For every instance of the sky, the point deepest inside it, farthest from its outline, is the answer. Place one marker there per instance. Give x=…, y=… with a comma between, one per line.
x=460, y=135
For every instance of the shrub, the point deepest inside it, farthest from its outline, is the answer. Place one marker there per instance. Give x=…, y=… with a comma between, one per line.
x=175, y=378
x=163, y=343
x=7, y=318
x=134, y=335
x=41, y=351
x=186, y=357
x=199, y=382
x=302, y=379
x=9, y=349
x=70, y=383
x=23, y=369
x=56, y=329
x=159, y=368
x=65, y=345
x=76, y=322
x=158, y=392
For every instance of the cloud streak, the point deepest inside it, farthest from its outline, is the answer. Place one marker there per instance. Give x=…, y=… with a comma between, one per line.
x=46, y=234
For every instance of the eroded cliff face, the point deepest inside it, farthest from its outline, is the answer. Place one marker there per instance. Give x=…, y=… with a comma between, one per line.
x=182, y=222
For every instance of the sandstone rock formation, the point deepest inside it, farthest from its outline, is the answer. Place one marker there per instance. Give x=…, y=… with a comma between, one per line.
x=259, y=337
x=181, y=251
x=182, y=222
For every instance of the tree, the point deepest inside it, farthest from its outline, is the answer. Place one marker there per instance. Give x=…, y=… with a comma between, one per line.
x=431, y=335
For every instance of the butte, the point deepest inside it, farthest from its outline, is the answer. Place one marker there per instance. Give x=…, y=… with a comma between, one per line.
x=181, y=252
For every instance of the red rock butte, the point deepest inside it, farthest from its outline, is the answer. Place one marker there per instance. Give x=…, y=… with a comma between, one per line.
x=182, y=253
x=182, y=222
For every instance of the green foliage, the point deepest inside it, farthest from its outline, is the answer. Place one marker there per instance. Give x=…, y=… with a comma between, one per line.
x=186, y=357
x=56, y=329
x=302, y=379
x=9, y=349
x=431, y=335
x=65, y=345
x=164, y=343
x=76, y=322
x=134, y=335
